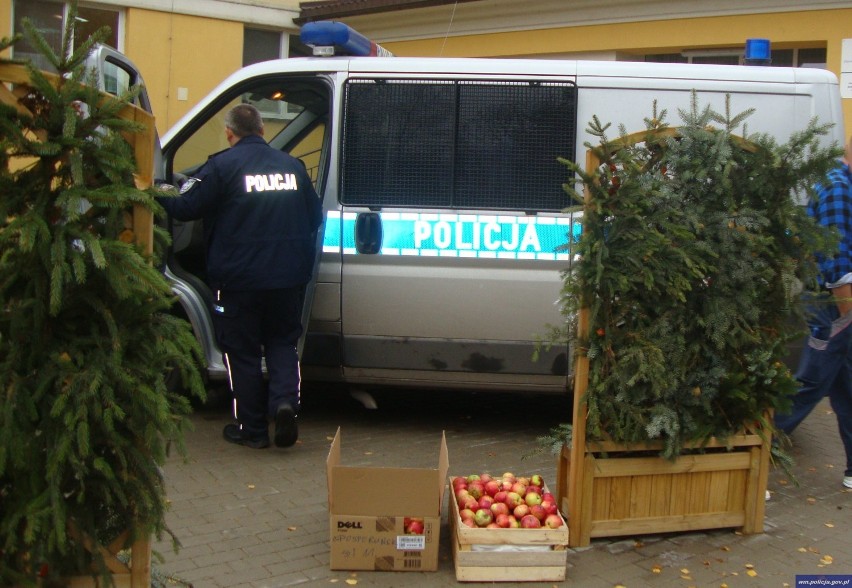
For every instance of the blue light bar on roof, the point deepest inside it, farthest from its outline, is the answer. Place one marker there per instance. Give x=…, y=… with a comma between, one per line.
x=344, y=39
x=758, y=52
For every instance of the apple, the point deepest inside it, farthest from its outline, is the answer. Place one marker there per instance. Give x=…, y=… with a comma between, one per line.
x=471, y=503
x=476, y=489
x=469, y=523
x=466, y=513
x=530, y=522
x=462, y=495
x=519, y=488
x=532, y=498
x=503, y=520
x=536, y=480
x=459, y=482
x=415, y=527
x=514, y=523
x=521, y=511
x=513, y=499
x=501, y=496
x=553, y=521
x=523, y=480
x=492, y=487
x=472, y=478
x=508, y=475
x=499, y=508
x=548, y=496
x=483, y=517
x=486, y=502
x=538, y=512
x=485, y=478
x=549, y=507
x=532, y=488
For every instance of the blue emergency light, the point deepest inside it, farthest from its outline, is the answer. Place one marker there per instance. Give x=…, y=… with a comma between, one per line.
x=329, y=37
x=757, y=52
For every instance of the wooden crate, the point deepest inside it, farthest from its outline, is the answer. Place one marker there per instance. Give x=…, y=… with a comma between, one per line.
x=506, y=555
x=630, y=495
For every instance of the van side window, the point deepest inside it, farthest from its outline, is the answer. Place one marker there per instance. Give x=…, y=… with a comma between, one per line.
x=471, y=144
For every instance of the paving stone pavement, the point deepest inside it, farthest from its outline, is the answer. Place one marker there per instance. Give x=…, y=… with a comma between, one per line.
x=257, y=518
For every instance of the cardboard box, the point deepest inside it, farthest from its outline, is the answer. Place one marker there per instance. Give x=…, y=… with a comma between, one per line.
x=368, y=507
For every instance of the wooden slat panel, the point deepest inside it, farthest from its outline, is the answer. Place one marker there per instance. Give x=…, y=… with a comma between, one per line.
x=643, y=466
x=718, y=497
x=640, y=496
x=653, y=525
x=699, y=492
x=602, y=488
x=661, y=493
x=619, y=498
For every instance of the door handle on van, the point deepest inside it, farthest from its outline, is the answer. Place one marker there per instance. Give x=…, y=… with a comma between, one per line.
x=368, y=232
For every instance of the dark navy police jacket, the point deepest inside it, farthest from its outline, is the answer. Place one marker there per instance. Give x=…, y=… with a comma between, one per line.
x=260, y=214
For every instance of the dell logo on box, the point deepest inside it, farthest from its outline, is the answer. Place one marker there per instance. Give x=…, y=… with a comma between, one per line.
x=348, y=525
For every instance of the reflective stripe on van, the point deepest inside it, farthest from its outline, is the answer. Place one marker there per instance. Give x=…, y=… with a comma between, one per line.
x=491, y=236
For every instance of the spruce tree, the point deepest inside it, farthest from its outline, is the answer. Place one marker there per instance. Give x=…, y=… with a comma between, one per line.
x=693, y=252
x=86, y=334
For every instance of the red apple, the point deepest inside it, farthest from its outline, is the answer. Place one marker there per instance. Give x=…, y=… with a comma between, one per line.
x=533, y=488
x=492, y=526
x=549, y=507
x=459, y=482
x=466, y=513
x=476, y=489
x=415, y=527
x=486, y=502
x=468, y=523
x=532, y=498
x=521, y=511
x=492, y=487
x=523, y=480
x=514, y=523
x=503, y=521
x=519, y=488
x=538, y=512
x=553, y=521
x=501, y=496
x=499, y=508
x=508, y=475
x=548, y=496
x=530, y=522
x=470, y=502
x=462, y=495
x=483, y=517
x=513, y=499
x=485, y=478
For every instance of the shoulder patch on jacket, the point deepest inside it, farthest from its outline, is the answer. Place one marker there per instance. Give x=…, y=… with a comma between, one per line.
x=188, y=184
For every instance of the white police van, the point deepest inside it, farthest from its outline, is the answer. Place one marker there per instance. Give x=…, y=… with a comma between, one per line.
x=440, y=253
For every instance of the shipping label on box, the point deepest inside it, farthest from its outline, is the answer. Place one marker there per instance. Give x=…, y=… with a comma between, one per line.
x=382, y=544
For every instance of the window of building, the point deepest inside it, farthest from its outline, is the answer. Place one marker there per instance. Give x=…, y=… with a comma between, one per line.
x=457, y=144
x=49, y=18
x=810, y=57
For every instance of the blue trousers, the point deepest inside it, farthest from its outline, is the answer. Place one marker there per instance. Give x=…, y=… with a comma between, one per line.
x=825, y=369
x=251, y=325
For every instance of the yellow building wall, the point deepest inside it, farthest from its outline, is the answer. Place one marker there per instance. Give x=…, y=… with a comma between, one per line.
x=814, y=28
x=174, y=51
x=5, y=21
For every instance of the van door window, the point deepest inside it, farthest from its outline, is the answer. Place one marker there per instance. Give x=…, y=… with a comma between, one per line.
x=468, y=144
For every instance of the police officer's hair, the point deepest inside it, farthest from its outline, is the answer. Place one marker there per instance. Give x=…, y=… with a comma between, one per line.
x=244, y=120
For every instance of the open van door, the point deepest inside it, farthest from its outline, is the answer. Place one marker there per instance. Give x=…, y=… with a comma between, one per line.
x=116, y=75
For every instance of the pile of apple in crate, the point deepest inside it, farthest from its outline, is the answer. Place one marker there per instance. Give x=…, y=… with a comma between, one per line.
x=506, y=529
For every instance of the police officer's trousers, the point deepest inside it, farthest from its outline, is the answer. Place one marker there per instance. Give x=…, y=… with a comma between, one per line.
x=250, y=325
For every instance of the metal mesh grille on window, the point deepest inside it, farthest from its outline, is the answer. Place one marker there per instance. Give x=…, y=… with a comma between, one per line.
x=471, y=144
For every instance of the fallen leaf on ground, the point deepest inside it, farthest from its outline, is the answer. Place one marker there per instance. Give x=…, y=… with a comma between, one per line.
x=725, y=548
x=811, y=500
x=368, y=453
x=826, y=559
x=749, y=566
x=830, y=525
x=656, y=569
x=802, y=550
x=251, y=486
x=292, y=528
x=751, y=573
x=351, y=581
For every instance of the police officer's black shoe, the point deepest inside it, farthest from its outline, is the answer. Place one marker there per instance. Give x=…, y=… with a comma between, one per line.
x=286, y=431
x=233, y=434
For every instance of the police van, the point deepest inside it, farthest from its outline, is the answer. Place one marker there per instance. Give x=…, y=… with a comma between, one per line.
x=441, y=250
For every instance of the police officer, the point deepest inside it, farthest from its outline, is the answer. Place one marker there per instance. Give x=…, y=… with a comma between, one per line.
x=260, y=215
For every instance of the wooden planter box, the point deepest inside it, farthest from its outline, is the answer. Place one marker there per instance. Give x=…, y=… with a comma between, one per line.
x=134, y=574
x=630, y=495
x=506, y=555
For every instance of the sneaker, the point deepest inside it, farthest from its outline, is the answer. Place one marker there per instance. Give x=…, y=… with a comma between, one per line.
x=847, y=481
x=286, y=431
x=233, y=434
